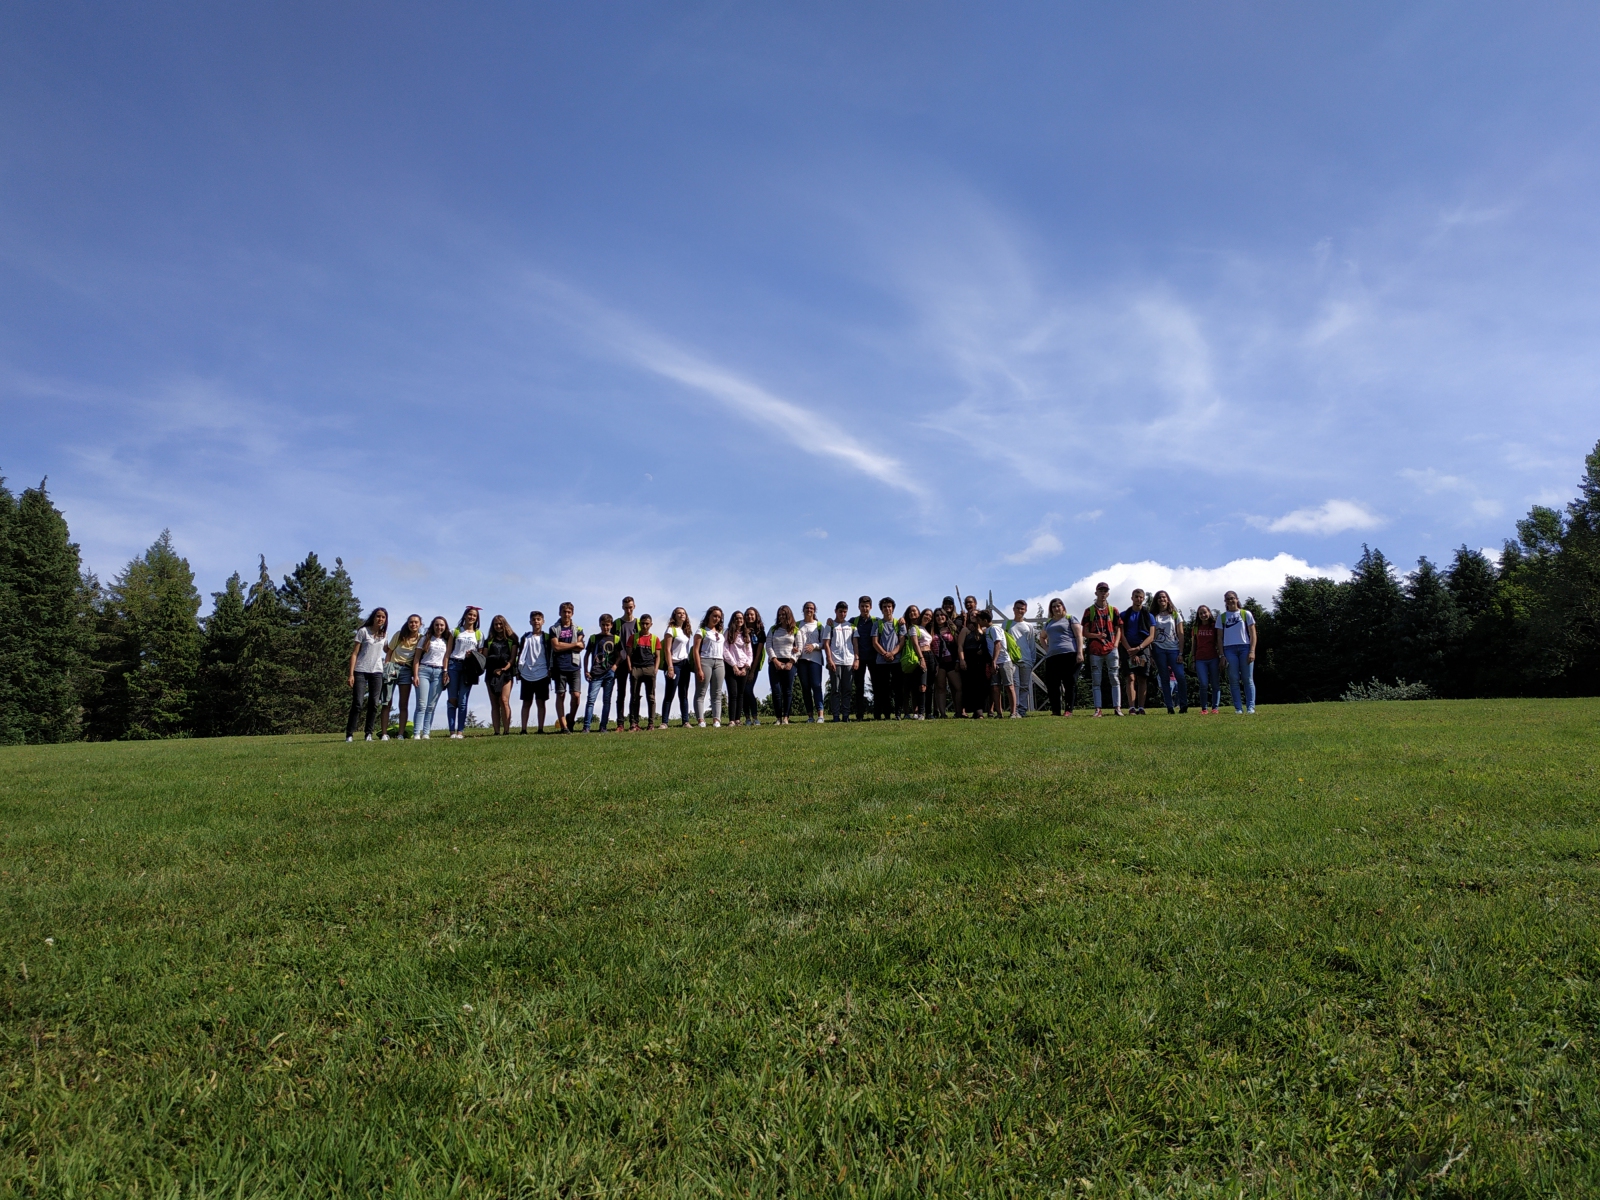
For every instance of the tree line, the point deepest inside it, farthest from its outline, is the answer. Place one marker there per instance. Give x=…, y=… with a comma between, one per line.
x=133, y=658
x=1527, y=625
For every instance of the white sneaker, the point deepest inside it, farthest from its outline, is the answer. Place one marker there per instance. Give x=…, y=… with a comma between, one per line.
x=384, y=738
x=703, y=722
x=714, y=724
x=369, y=737
x=349, y=738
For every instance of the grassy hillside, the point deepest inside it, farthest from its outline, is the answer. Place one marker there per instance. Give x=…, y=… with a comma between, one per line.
x=1334, y=947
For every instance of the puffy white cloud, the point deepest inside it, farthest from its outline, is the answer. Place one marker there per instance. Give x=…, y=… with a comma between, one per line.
x=1334, y=516
x=1190, y=586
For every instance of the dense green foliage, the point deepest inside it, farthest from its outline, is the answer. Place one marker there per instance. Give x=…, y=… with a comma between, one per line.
x=1329, y=949
x=1529, y=626
x=46, y=636
x=134, y=660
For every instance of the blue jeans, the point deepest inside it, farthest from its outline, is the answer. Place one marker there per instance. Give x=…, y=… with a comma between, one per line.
x=1104, y=665
x=1240, y=667
x=601, y=686
x=810, y=686
x=456, y=701
x=430, y=680
x=1209, y=671
x=1168, y=661
x=1025, y=685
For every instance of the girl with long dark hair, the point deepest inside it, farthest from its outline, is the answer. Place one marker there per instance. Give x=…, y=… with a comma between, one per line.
x=706, y=654
x=783, y=651
x=366, y=671
x=500, y=670
x=433, y=652
x=466, y=666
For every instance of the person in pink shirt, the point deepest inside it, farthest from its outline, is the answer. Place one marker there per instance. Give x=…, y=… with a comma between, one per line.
x=738, y=657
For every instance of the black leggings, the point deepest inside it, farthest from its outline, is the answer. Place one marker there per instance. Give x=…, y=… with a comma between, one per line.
x=781, y=680
x=1061, y=676
x=884, y=689
x=678, y=687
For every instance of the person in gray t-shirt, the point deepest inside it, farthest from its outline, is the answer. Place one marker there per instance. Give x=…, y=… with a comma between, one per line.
x=1063, y=656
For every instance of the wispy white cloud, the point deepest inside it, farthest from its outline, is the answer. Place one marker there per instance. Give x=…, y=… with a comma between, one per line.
x=1260, y=578
x=1044, y=545
x=804, y=427
x=1332, y=516
x=1433, y=482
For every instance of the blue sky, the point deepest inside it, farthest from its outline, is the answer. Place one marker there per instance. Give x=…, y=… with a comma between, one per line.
x=757, y=304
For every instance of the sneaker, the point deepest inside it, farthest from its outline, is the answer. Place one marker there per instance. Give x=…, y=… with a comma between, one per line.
x=714, y=724
x=384, y=738
x=369, y=737
x=703, y=722
x=349, y=738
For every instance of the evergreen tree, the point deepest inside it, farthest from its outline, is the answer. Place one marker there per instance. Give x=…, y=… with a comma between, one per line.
x=1474, y=585
x=149, y=647
x=1427, y=629
x=219, y=700
x=323, y=615
x=1528, y=576
x=1300, y=655
x=268, y=701
x=46, y=639
x=12, y=666
x=1574, y=593
x=1372, y=600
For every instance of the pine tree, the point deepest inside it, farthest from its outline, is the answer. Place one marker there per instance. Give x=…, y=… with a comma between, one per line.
x=149, y=648
x=1301, y=656
x=1372, y=602
x=44, y=654
x=323, y=615
x=1427, y=629
x=219, y=701
x=1474, y=584
x=268, y=702
x=1574, y=591
x=12, y=664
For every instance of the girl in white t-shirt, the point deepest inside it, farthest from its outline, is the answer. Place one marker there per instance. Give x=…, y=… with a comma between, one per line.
x=705, y=653
x=677, y=640
x=433, y=650
x=366, y=672
x=813, y=642
x=466, y=640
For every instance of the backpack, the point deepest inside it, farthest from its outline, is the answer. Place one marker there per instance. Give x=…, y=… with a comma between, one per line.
x=1014, y=650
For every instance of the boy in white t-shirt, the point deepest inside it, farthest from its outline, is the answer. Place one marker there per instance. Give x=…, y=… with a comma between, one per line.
x=1027, y=638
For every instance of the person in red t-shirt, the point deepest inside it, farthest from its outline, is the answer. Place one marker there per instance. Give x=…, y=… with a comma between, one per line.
x=1100, y=631
x=1207, y=659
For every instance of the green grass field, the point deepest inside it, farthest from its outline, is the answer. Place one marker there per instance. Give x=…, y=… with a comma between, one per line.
x=1333, y=949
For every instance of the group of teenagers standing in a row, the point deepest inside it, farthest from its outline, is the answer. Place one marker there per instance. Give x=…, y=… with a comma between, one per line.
x=931, y=662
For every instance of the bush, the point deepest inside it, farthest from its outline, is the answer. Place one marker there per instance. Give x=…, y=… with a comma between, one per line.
x=1377, y=690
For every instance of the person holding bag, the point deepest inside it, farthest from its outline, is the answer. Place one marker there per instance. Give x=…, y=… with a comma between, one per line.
x=400, y=673
x=466, y=668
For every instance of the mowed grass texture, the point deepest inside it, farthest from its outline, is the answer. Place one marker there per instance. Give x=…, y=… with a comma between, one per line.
x=1334, y=948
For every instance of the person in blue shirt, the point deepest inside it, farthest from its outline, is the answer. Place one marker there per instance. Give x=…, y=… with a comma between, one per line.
x=1136, y=631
